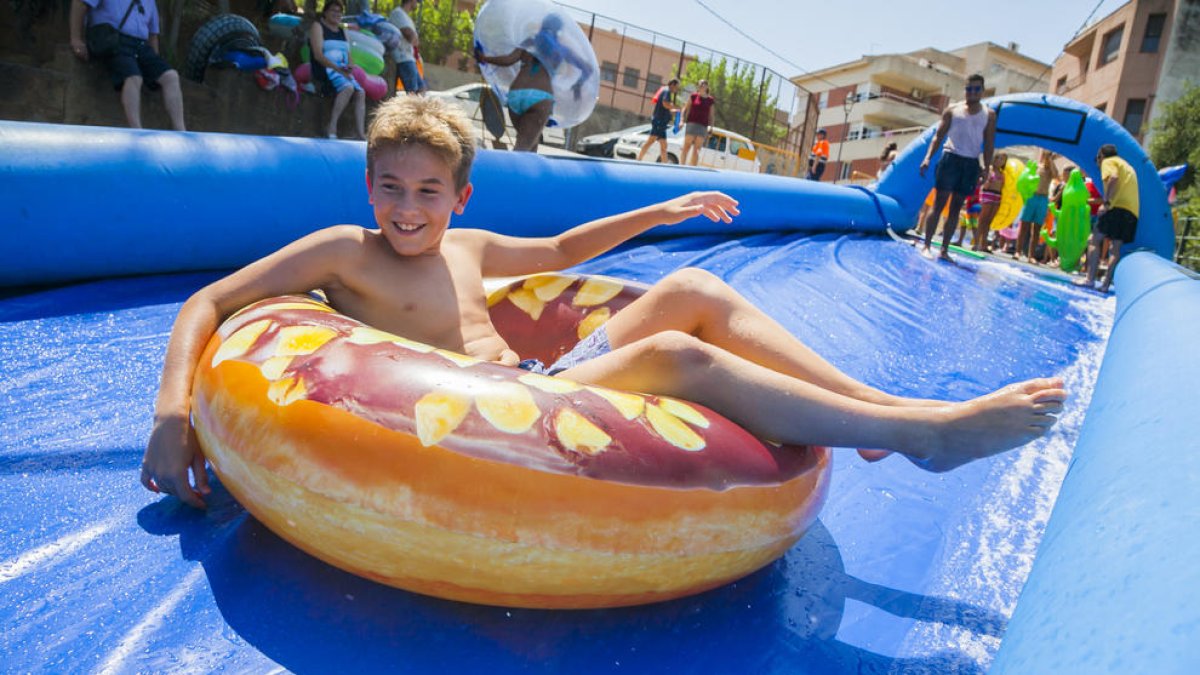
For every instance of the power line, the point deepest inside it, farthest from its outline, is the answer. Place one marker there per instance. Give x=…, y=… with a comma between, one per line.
x=1079, y=30
x=765, y=48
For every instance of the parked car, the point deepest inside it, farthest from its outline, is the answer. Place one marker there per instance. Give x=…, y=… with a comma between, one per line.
x=723, y=149
x=467, y=97
x=601, y=145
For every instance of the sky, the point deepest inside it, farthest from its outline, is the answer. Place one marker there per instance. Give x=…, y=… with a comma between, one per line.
x=809, y=36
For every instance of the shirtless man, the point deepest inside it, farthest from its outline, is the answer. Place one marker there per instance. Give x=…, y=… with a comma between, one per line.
x=1033, y=214
x=690, y=336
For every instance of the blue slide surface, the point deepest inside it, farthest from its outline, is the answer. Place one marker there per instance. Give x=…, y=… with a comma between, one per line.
x=905, y=571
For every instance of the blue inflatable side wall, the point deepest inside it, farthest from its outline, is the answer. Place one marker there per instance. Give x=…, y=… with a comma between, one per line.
x=86, y=202
x=1070, y=128
x=1113, y=587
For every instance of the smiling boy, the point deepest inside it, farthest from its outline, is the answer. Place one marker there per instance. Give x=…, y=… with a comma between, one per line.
x=689, y=336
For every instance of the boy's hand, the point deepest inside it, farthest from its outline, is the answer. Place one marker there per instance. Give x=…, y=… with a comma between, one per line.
x=171, y=452
x=716, y=206
x=924, y=167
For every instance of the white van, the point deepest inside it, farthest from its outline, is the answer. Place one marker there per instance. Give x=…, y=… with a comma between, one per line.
x=723, y=149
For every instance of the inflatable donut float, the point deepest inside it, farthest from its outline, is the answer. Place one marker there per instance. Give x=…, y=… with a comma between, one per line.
x=448, y=476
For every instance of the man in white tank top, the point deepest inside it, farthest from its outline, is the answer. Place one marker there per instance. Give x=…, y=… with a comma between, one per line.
x=966, y=129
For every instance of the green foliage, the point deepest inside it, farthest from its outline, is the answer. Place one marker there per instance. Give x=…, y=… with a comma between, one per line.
x=1175, y=139
x=739, y=94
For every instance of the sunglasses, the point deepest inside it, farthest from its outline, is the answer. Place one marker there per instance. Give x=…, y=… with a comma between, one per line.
x=974, y=87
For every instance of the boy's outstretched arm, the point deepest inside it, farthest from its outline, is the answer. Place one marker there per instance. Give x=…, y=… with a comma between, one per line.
x=173, y=450
x=513, y=256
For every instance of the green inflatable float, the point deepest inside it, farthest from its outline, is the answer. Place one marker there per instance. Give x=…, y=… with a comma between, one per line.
x=1074, y=223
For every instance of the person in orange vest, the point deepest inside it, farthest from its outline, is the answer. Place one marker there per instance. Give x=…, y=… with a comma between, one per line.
x=818, y=157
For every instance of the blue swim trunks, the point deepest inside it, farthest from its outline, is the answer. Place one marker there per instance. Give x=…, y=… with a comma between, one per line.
x=521, y=100
x=1035, y=208
x=590, y=347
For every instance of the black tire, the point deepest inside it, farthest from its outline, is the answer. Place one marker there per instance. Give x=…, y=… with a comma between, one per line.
x=224, y=31
x=671, y=158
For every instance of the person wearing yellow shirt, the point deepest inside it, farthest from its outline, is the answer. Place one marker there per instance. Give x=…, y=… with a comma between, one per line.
x=1118, y=214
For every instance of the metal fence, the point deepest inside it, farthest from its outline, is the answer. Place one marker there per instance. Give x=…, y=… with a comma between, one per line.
x=752, y=99
x=1187, y=242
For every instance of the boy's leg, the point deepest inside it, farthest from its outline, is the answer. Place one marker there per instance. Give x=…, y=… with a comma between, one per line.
x=1093, y=257
x=789, y=410
x=645, y=147
x=700, y=304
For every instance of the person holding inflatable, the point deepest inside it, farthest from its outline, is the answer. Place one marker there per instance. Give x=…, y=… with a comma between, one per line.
x=531, y=94
x=966, y=129
x=660, y=119
x=404, y=54
x=331, y=68
x=989, y=202
x=689, y=336
x=1033, y=215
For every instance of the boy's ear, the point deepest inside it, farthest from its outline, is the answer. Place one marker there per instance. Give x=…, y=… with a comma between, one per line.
x=370, y=195
x=463, y=196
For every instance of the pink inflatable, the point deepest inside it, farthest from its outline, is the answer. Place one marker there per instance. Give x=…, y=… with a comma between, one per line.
x=374, y=85
x=303, y=73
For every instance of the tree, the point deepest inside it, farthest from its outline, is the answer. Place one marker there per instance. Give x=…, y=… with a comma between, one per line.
x=743, y=104
x=1176, y=139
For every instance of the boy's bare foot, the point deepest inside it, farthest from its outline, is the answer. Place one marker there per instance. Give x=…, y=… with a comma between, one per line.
x=1103, y=288
x=926, y=252
x=1004, y=419
x=945, y=255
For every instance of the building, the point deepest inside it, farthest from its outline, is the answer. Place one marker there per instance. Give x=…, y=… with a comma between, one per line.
x=879, y=99
x=1139, y=55
x=1116, y=64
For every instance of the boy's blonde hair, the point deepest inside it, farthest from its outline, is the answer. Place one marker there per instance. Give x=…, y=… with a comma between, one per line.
x=418, y=120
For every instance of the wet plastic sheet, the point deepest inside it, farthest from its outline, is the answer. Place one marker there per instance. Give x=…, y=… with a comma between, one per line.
x=905, y=570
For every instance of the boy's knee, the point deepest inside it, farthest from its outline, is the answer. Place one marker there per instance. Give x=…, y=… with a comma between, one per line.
x=694, y=281
x=134, y=81
x=683, y=352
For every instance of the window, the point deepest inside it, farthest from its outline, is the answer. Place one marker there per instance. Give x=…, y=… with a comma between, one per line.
x=866, y=91
x=845, y=170
x=608, y=72
x=1111, y=46
x=1103, y=107
x=823, y=100
x=1154, y=31
x=653, y=82
x=632, y=77
x=1135, y=112
x=716, y=142
x=1061, y=86
x=736, y=146
x=856, y=132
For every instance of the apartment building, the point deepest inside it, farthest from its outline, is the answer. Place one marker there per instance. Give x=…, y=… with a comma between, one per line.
x=866, y=104
x=1116, y=64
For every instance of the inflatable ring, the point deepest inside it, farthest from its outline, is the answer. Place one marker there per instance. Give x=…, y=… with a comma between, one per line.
x=370, y=62
x=283, y=25
x=546, y=31
x=444, y=475
x=365, y=41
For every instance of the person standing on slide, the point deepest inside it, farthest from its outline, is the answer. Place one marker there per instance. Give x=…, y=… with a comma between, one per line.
x=966, y=128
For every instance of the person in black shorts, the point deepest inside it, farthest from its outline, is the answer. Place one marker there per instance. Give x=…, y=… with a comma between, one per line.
x=136, y=60
x=966, y=129
x=660, y=119
x=1118, y=214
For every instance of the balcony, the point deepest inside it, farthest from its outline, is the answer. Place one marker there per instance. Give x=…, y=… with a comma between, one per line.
x=890, y=110
x=866, y=148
